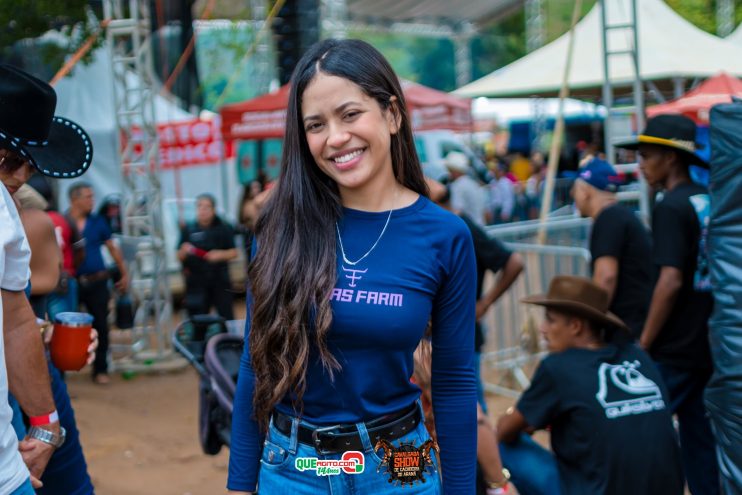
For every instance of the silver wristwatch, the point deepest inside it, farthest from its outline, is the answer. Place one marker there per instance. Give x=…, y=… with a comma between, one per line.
x=47, y=436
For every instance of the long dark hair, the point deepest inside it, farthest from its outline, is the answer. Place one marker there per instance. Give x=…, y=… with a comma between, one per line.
x=294, y=270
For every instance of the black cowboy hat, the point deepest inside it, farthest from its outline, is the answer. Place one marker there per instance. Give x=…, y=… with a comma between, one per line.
x=56, y=146
x=672, y=131
x=579, y=296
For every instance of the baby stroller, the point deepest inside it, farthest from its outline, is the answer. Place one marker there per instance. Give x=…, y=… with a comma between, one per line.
x=205, y=342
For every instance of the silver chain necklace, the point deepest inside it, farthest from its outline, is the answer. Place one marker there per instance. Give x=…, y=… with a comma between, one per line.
x=386, y=224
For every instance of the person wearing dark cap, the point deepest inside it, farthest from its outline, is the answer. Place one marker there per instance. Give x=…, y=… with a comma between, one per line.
x=606, y=405
x=32, y=140
x=620, y=246
x=676, y=329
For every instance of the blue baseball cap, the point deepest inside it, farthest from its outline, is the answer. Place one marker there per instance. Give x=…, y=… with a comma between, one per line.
x=599, y=174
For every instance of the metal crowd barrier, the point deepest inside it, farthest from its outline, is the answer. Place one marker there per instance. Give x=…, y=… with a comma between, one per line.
x=513, y=343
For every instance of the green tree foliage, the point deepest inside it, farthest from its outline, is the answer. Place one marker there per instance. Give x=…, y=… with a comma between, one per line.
x=396, y=48
x=701, y=13
x=498, y=44
x=435, y=65
x=558, y=15
x=27, y=19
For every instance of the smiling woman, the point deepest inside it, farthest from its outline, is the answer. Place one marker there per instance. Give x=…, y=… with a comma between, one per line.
x=353, y=262
x=349, y=135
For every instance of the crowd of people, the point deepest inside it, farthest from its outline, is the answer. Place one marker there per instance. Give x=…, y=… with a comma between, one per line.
x=510, y=190
x=366, y=293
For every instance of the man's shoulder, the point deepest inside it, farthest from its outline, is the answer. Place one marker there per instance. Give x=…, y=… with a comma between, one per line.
x=617, y=210
x=679, y=197
x=572, y=359
x=467, y=182
x=96, y=220
x=9, y=217
x=222, y=225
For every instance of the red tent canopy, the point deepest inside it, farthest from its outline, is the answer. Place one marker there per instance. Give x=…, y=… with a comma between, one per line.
x=697, y=102
x=431, y=109
x=264, y=117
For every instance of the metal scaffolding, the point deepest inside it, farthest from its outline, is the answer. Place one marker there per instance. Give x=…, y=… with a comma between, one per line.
x=129, y=42
x=625, y=43
x=538, y=124
x=535, y=25
x=262, y=64
x=724, y=17
x=334, y=18
x=462, y=52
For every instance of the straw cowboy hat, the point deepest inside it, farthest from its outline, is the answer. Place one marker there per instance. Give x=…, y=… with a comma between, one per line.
x=671, y=131
x=578, y=295
x=56, y=146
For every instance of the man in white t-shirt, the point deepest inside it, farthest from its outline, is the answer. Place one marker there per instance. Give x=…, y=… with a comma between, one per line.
x=22, y=345
x=467, y=195
x=31, y=139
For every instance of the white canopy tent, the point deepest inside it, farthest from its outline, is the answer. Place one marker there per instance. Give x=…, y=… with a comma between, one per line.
x=736, y=36
x=669, y=48
x=506, y=110
x=86, y=97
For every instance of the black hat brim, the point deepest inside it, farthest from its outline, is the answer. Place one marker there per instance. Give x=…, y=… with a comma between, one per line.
x=66, y=154
x=691, y=158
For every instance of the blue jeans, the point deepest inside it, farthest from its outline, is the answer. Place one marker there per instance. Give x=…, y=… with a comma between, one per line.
x=59, y=303
x=697, y=446
x=24, y=489
x=67, y=471
x=279, y=470
x=533, y=469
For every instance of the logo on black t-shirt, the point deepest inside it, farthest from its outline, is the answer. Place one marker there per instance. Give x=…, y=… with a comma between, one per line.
x=623, y=390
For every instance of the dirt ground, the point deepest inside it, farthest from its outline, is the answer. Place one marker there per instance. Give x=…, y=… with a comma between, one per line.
x=140, y=434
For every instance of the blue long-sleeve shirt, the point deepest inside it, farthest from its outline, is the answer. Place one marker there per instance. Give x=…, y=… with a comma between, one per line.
x=422, y=268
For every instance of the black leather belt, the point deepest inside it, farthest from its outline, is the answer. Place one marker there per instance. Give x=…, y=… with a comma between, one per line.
x=342, y=438
x=89, y=278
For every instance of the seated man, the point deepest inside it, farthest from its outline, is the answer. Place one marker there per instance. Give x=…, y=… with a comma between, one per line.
x=611, y=430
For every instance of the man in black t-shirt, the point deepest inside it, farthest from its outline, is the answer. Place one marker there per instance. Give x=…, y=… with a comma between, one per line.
x=491, y=255
x=620, y=245
x=606, y=405
x=205, y=249
x=676, y=329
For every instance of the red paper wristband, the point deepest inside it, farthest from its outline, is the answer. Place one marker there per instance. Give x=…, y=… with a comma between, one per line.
x=46, y=419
